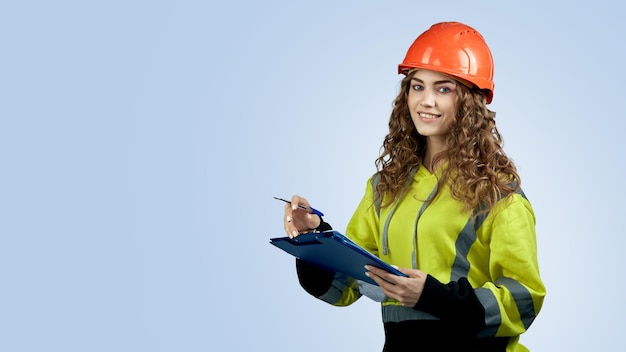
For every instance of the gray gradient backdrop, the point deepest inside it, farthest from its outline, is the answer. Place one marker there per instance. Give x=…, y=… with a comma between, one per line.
x=142, y=142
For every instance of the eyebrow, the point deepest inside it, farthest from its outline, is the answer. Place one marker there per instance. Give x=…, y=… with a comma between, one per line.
x=437, y=82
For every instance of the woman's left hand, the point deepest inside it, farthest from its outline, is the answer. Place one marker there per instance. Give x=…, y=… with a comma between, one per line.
x=406, y=290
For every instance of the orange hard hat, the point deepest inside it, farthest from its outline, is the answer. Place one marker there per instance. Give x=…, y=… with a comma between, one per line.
x=455, y=49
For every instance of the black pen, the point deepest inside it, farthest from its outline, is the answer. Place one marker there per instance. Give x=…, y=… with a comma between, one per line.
x=313, y=210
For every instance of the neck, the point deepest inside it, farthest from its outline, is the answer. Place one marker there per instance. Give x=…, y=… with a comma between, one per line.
x=433, y=148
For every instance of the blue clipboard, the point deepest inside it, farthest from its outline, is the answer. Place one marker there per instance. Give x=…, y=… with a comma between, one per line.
x=333, y=251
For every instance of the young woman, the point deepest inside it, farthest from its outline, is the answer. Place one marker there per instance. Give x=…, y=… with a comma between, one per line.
x=446, y=207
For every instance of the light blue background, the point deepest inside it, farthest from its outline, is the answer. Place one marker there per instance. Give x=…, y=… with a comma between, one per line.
x=142, y=142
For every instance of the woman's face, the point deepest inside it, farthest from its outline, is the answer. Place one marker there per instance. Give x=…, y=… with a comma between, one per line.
x=431, y=102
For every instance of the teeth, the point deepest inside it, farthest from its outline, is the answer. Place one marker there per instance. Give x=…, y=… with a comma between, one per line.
x=428, y=116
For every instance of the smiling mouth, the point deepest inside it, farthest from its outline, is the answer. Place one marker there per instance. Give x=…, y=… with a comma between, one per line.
x=428, y=116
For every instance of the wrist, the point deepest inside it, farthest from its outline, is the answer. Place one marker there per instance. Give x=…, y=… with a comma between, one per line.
x=323, y=226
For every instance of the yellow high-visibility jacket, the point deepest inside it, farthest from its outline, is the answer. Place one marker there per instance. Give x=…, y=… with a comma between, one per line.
x=483, y=274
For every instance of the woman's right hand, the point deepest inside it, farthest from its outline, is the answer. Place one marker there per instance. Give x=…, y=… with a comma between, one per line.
x=297, y=220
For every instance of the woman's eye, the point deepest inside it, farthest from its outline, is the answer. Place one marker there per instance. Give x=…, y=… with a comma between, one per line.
x=417, y=87
x=445, y=90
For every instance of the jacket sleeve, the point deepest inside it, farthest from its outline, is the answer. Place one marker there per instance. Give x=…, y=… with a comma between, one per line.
x=454, y=303
x=334, y=288
x=510, y=300
x=514, y=295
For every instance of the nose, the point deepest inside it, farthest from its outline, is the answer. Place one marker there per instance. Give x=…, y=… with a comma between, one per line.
x=428, y=98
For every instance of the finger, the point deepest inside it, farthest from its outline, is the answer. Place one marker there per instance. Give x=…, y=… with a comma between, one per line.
x=386, y=287
x=378, y=271
x=291, y=230
x=409, y=272
x=296, y=201
x=288, y=222
x=374, y=277
x=389, y=278
x=377, y=275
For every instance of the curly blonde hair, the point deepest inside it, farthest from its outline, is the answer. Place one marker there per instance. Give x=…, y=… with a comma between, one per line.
x=479, y=173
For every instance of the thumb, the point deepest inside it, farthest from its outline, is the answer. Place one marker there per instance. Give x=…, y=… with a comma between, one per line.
x=408, y=272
